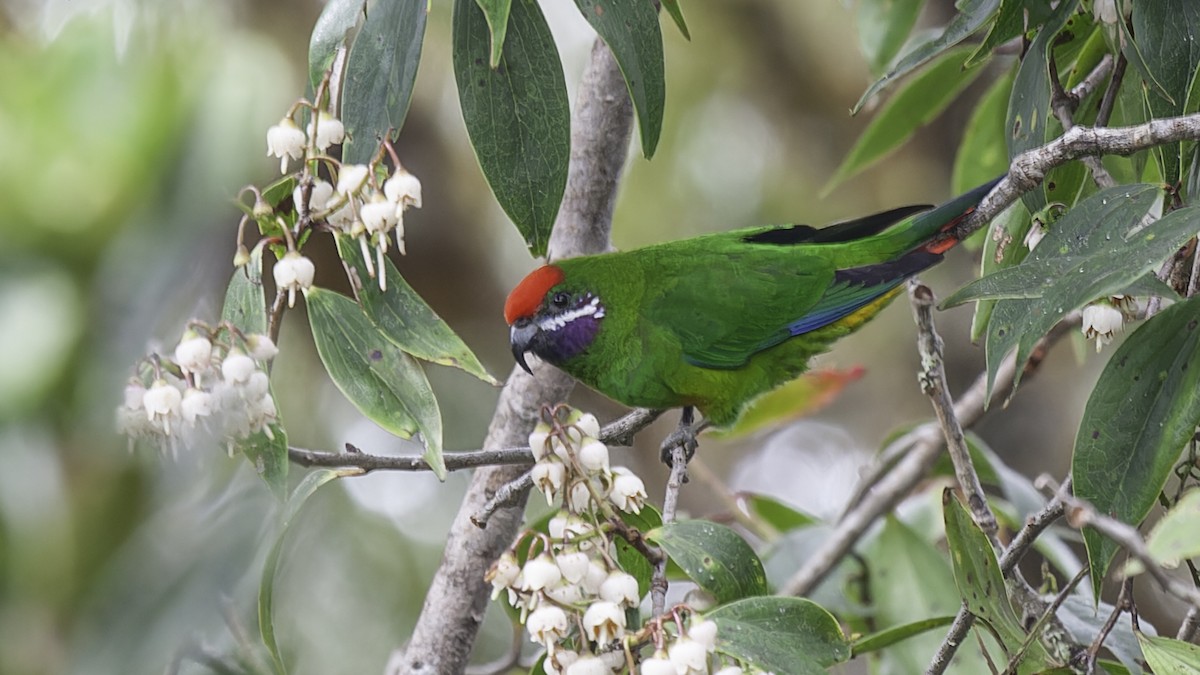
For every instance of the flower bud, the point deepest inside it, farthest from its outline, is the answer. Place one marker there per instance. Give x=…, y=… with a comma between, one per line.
x=540, y=572
x=193, y=353
x=688, y=656
x=503, y=573
x=537, y=441
x=704, y=632
x=620, y=588
x=658, y=664
x=573, y=565
x=593, y=455
x=237, y=368
x=588, y=665
x=351, y=178
x=262, y=348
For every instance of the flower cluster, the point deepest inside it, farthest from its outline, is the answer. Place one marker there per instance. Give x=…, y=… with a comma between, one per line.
x=214, y=385
x=1105, y=318
x=567, y=582
x=364, y=201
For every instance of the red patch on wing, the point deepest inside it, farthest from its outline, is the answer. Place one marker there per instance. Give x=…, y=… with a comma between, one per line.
x=527, y=296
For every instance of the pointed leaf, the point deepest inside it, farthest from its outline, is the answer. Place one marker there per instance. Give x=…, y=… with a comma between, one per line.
x=496, y=12
x=897, y=634
x=919, y=102
x=713, y=556
x=779, y=634
x=1003, y=247
x=778, y=515
x=334, y=30
x=1144, y=408
x=245, y=304
x=1170, y=657
x=384, y=383
x=1029, y=114
x=982, y=154
x=268, y=454
x=404, y=317
x=883, y=26
x=801, y=397
x=1084, y=620
x=977, y=574
x=1009, y=23
x=517, y=114
x=676, y=12
x=630, y=29
x=380, y=73
x=1168, y=35
x=266, y=587
x=1099, y=248
x=972, y=15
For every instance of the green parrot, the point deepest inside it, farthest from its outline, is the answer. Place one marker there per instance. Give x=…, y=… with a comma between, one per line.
x=714, y=321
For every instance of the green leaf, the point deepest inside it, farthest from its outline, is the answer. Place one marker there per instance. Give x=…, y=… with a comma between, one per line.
x=1097, y=249
x=713, y=556
x=801, y=397
x=630, y=29
x=245, y=304
x=919, y=102
x=883, y=26
x=910, y=580
x=384, y=383
x=1168, y=35
x=496, y=12
x=1003, y=247
x=1144, y=408
x=1009, y=23
x=779, y=634
x=266, y=588
x=380, y=73
x=517, y=114
x=1173, y=538
x=981, y=585
x=630, y=559
x=982, y=154
x=1028, y=120
x=972, y=15
x=1167, y=656
x=779, y=516
x=896, y=634
x=1084, y=619
x=335, y=28
x=676, y=12
x=404, y=317
x=269, y=456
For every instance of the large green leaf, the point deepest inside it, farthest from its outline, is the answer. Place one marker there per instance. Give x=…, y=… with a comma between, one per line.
x=1029, y=114
x=496, y=12
x=383, y=382
x=972, y=15
x=1097, y=249
x=335, y=28
x=910, y=580
x=516, y=114
x=405, y=318
x=380, y=73
x=266, y=588
x=1173, y=538
x=713, y=556
x=981, y=585
x=779, y=634
x=919, y=102
x=1009, y=23
x=1170, y=657
x=883, y=26
x=1143, y=410
x=1167, y=33
x=1003, y=247
x=630, y=29
x=245, y=305
x=982, y=154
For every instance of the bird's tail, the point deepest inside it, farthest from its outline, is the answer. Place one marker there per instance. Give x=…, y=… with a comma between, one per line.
x=932, y=231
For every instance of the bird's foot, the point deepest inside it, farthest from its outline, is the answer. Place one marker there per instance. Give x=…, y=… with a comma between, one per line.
x=683, y=438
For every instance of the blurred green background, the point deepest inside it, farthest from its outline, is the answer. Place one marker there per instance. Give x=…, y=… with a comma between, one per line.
x=128, y=128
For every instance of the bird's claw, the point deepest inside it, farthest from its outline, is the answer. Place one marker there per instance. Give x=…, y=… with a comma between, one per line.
x=684, y=438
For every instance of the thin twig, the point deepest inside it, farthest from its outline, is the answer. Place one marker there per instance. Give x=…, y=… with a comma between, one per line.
x=1082, y=514
x=658, y=581
x=1110, y=94
x=1051, y=608
x=1122, y=605
x=511, y=493
x=1063, y=104
x=933, y=382
x=617, y=432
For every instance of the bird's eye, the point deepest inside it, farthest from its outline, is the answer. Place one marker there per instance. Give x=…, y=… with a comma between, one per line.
x=560, y=300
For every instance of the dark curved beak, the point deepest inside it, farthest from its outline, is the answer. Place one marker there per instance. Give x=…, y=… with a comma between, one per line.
x=521, y=338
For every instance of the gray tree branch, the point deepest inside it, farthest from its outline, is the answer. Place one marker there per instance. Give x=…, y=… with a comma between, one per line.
x=457, y=598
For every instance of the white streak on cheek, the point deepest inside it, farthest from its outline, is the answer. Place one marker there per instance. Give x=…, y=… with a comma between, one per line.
x=555, y=323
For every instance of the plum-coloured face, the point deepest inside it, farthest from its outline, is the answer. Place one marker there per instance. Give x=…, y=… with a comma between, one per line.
x=557, y=323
